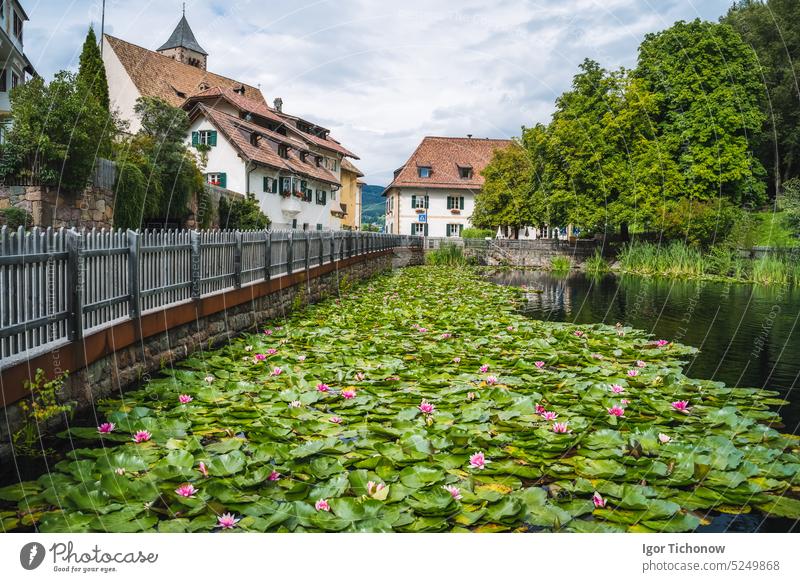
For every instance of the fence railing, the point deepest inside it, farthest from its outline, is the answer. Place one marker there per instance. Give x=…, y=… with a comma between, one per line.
x=57, y=286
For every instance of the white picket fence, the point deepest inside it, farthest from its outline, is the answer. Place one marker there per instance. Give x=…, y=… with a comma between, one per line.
x=57, y=286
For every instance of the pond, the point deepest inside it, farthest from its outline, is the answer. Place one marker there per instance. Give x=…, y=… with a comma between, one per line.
x=747, y=335
x=420, y=401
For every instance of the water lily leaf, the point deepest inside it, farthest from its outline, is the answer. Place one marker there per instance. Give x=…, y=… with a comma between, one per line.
x=781, y=506
x=226, y=464
x=420, y=475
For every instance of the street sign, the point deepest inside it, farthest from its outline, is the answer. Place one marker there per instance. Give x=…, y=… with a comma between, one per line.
x=422, y=218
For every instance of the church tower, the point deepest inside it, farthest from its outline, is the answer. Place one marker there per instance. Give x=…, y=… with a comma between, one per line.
x=183, y=47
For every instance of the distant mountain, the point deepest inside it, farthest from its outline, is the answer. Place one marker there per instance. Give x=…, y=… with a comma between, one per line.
x=373, y=205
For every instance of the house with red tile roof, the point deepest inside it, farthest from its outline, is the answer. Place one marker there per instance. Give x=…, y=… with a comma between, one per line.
x=433, y=193
x=291, y=165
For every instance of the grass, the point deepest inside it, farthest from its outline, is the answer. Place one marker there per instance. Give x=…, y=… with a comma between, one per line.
x=771, y=229
x=675, y=259
x=448, y=255
x=560, y=263
x=596, y=264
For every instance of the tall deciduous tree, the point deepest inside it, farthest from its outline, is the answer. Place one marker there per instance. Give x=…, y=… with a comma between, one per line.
x=772, y=30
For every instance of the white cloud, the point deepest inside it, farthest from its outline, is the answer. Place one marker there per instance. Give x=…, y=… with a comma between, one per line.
x=380, y=75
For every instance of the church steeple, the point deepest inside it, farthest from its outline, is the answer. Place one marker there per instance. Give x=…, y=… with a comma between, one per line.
x=183, y=46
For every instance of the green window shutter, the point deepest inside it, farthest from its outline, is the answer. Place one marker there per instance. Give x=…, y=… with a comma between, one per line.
x=266, y=184
x=223, y=180
x=461, y=203
x=195, y=138
x=426, y=205
x=274, y=185
x=303, y=185
x=426, y=227
x=212, y=138
x=413, y=202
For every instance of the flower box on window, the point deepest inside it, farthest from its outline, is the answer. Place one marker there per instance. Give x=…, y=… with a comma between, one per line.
x=420, y=211
x=286, y=193
x=455, y=211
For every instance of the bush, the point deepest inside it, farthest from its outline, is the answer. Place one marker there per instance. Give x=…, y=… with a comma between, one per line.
x=560, y=263
x=700, y=223
x=596, y=264
x=477, y=233
x=130, y=193
x=242, y=214
x=15, y=217
x=789, y=201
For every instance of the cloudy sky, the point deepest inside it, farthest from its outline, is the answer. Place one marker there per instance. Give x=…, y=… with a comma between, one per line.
x=381, y=75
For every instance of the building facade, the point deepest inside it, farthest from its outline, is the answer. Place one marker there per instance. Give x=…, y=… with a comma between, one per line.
x=14, y=65
x=433, y=193
x=351, y=195
x=292, y=166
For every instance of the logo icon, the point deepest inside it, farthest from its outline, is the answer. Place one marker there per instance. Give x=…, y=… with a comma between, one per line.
x=31, y=555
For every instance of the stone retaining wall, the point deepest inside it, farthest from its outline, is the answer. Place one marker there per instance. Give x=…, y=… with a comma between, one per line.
x=128, y=367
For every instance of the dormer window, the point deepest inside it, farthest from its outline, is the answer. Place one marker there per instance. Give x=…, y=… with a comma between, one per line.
x=283, y=150
x=465, y=172
x=303, y=157
x=203, y=86
x=254, y=138
x=180, y=94
x=239, y=89
x=424, y=171
x=319, y=161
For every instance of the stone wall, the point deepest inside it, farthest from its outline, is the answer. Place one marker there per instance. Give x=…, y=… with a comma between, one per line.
x=128, y=367
x=535, y=254
x=92, y=208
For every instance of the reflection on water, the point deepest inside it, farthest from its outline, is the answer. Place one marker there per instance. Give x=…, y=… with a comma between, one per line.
x=747, y=334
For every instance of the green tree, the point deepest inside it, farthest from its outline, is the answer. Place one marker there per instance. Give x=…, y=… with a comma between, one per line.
x=772, y=30
x=91, y=72
x=242, y=214
x=504, y=199
x=708, y=88
x=56, y=133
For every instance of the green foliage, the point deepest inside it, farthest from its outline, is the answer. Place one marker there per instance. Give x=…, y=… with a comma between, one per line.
x=370, y=228
x=167, y=175
x=91, y=72
x=596, y=264
x=242, y=214
x=448, y=254
x=772, y=30
x=480, y=233
x=14, y=217
x=699, y=223
x=42, y=406
x=505, y=198
x=205, y=209
x=789, y=202
x=383, y=464
x=672, y=259
x=56, y=133
x=560, y=263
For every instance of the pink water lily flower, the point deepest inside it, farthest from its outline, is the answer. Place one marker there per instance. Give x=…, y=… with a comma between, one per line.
x=295, y=404
x=323, y=387
x=579, y=333
x=491, y=380
x=539, y=364
x=484, y=368
x=348, y=394
x=426, y=407
x=301, y=358
x=540, y=409
x=446, y=335
x=663, y=438
x=560, y=428
x=335, y=419
x=624, y=401
x=259, y=357
x=681, y=405
x=470, y=396
x=142, y=436
x=616, y=411
x=617, y=389
x=277, y=371
x=598, y=500
x=203, y=469
x=272, y=351
x=640, y=363
x=373, y=487
x=267, y=332
x=422, y=329
x=477, y=460
x=510, y=328
x=274, y=475
x=227, y=521
x=597, y=356
x=633, y=373
x=360, y=376
x=322, y=505
x=106, y=428
x=185, y=399
x=454, y=491
x=456, y=360
x=186, y=490
x=549, y=415
x=661, y=343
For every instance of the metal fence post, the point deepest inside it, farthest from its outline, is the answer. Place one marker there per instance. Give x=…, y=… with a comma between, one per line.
x=134, y=305
x=333, y=244
x=321, y=248
x=289, y=252
x=194, y=238
x=237, y=259
x=308, y=251
x=268, y=256
x=75, y=283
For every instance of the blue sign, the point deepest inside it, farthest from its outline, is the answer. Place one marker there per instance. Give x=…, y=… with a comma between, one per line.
x=422, y=218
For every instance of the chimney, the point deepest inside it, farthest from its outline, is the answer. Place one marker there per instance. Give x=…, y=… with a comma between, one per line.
x=469, y=136
x=278, y=104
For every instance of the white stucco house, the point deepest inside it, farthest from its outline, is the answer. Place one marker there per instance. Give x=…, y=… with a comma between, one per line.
x=433, y=193
x=291, y=165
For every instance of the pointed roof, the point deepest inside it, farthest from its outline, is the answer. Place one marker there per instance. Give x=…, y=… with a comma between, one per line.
x=183, y=36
